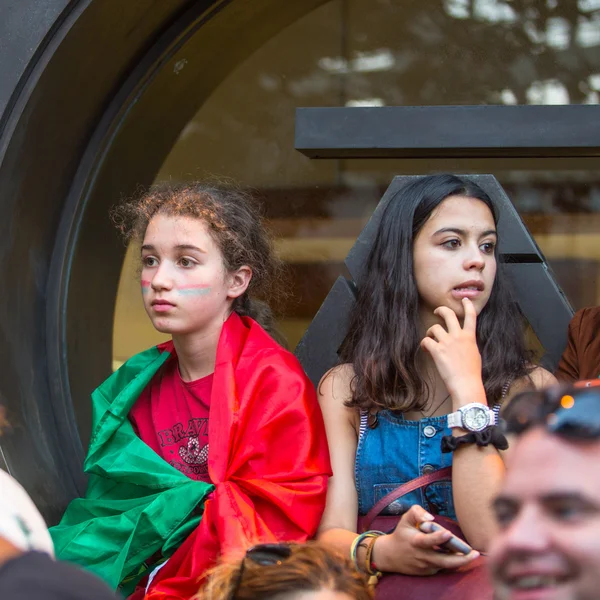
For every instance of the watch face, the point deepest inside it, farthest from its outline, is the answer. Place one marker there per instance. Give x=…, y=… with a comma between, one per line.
x=475, y=419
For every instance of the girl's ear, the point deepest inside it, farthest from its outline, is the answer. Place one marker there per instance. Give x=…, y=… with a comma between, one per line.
x=239, y=281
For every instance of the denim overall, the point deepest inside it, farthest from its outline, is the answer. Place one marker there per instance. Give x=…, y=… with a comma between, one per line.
x=396, y=451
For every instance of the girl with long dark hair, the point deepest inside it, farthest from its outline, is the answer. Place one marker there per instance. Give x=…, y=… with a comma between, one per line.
x=435, y=346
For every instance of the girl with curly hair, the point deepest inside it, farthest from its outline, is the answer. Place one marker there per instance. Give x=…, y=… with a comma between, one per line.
x=212, y=441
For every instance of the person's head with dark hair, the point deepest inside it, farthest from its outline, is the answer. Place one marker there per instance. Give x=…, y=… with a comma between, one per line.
x=436, y=244
x=219, y=225
x=287, y=572
x=548, y=510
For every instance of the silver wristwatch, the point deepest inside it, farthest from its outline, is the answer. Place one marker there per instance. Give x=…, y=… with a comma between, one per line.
x=473, y=417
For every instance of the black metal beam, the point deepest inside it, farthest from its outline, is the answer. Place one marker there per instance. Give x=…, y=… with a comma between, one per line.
x=448, y=131
x=319, y=346
x=545, y=306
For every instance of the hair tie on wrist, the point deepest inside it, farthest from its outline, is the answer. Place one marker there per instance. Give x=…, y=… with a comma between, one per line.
x=489, y=436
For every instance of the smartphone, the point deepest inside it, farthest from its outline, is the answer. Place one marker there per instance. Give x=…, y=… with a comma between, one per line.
x=454, y=544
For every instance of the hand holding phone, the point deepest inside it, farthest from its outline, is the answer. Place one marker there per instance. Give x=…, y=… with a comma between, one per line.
x=454, y=544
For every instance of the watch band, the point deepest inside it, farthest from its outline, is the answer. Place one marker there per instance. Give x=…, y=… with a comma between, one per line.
x=455, y=419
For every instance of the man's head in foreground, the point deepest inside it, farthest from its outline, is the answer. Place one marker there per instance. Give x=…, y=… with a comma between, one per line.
x=548, y=545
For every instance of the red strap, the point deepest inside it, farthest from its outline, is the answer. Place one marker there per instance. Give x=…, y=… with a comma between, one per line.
x=406, y=488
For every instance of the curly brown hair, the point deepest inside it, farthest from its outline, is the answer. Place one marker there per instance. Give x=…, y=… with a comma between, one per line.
x=311, y=567
x=235, y=222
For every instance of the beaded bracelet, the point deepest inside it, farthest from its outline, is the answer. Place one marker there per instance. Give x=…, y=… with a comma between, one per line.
x=368, y=567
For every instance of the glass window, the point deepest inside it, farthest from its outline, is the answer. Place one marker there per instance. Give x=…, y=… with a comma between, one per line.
x=392, y=52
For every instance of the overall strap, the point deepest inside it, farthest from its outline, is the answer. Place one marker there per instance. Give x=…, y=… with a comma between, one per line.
x=364, y=422
x=406, y=488
x=496, y=408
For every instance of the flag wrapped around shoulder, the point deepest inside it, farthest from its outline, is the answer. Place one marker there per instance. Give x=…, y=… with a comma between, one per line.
x=268, y=461
x=136, y=504
x=268, y=458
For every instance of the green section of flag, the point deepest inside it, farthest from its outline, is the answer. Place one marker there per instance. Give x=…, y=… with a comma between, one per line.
x=136, y=503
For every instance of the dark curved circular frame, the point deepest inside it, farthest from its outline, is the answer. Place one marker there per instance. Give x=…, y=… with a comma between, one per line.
x=103, y=102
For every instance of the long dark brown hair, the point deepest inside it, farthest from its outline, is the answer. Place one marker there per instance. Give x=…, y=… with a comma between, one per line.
x=235, y=223
x=384, y=338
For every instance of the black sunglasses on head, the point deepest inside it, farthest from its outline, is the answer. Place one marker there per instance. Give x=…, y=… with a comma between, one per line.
x=572, y=412
x=263, y=555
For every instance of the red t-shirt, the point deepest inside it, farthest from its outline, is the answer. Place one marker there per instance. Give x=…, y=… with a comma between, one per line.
x=171, y=416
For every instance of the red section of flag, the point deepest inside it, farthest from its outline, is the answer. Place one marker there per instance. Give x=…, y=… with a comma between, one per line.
x=268, y=458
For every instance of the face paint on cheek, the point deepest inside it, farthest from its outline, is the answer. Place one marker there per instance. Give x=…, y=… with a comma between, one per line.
x=145, y=286
x=193, y=290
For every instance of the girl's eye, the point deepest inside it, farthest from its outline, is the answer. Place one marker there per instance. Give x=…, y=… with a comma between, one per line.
x=149, y=261
x=186, y=262
x=488, y=247
x=452, y=244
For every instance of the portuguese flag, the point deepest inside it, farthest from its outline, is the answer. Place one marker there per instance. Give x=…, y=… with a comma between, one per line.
x=268, y=462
